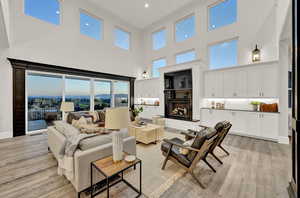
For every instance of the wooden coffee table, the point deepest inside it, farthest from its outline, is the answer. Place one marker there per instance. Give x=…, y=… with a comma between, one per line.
x=109, y=169
x=146, y=134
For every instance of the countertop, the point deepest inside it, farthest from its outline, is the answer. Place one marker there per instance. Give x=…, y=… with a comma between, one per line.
x=152, y=105
x=238, y=110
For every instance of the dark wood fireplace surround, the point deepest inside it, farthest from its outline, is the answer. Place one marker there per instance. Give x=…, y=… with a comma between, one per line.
x=179, y=95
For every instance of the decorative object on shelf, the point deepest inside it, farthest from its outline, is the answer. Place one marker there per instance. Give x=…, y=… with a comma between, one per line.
x=255, y=105
x=156, y=103
x=256, y=54
x=212, y=104
x=269, y=107
x=66, y=107
x=145, y=74
x=116, y=119
x=136, y=112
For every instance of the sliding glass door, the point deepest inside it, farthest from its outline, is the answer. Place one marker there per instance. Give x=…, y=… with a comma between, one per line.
x=78, y=91
x=102, y=94
x=44, y=96
x=46, y=91
x=121, y=93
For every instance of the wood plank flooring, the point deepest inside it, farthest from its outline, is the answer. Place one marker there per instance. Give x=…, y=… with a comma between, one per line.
x=255, y=169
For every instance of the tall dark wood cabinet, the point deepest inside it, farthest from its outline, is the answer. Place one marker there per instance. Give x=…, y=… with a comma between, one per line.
x=296, y=107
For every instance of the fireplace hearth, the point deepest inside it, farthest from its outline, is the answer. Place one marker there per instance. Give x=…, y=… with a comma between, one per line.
x=178, y=95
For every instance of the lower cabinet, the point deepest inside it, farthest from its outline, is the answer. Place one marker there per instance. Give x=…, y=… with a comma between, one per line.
x=253, y=124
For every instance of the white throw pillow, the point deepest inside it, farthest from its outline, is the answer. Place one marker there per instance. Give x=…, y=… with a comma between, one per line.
x=184, y=151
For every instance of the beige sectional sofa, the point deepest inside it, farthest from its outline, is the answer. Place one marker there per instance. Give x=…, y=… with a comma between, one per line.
x=83, y=157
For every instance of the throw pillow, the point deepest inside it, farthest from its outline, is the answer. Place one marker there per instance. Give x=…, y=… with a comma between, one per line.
x=91, y=128
x=95, y=116
x=184, y=151
x=101, y=115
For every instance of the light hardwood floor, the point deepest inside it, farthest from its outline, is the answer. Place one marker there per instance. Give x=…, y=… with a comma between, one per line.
x=254, y=169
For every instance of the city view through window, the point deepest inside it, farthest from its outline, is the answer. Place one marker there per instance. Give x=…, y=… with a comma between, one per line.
x=46, y=92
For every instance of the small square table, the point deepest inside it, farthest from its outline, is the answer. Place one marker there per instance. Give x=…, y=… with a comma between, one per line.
x=108, y=168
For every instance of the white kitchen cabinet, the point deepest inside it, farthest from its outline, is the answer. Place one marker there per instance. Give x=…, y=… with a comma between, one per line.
x=213, y=84
x=262, y=82
x=235, y=83
x=253, y=81
x=269, y=125
x=253, y=124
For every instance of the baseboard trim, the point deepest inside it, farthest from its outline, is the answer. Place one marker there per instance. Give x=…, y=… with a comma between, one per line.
x=5, y=134
x=283, y=140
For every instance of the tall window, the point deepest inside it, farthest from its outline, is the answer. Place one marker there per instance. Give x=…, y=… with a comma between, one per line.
x=223, y=55
x=78, y=91
x=159, y=39
x=46, y=10
x=121, y=93
x=91, y=26
x=102, y=90
x=185, y=28
x=186, y=57
x=44, y=97
x=156, y=65
x=122, y=39
x=222, y=14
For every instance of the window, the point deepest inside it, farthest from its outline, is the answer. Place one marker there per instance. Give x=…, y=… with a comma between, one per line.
x=122, y=39
x=159, y=39
x=185, y=28
x=222, y=14
x=121, y=93
x=46, y=10
x=223, y=54
x=78, y=91
x=156, y=65
x=185, y=57
x=102, y=90
x=43, y=105
x=91, y=26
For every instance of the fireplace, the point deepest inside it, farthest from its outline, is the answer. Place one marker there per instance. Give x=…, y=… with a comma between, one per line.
x=178, y=95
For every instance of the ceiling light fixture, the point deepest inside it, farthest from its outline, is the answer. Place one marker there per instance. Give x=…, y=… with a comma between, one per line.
x=146, y=5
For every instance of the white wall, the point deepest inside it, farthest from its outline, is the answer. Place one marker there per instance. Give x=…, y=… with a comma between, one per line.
x=35, y=40
x=256, y=25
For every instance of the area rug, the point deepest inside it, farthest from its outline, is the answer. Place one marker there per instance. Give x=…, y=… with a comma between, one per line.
x=155, y=181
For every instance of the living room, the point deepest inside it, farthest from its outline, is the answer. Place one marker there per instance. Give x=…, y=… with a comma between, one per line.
x=207, y=88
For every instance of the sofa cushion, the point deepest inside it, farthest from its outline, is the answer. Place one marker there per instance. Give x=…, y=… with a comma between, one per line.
x=99, y=140
x=77, y=115
x=66, y=129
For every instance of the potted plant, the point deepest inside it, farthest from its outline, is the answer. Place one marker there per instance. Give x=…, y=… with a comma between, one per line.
x=255, y=105
x=136, y=112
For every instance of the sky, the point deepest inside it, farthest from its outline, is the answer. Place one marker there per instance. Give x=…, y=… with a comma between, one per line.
x=91, y=26
x=156, y=65
x=51, y=14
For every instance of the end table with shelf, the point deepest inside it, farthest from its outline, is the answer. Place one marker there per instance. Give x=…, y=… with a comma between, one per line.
x=110, y=169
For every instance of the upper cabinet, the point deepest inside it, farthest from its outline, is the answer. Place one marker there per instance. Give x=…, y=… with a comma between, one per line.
x=263, y=82
x=254, y=81
x=213, y=84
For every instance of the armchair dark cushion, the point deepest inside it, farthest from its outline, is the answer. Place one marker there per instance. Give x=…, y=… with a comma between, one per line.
x=187, y=159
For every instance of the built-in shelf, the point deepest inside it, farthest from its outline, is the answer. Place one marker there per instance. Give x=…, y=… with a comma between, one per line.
x=238, y=110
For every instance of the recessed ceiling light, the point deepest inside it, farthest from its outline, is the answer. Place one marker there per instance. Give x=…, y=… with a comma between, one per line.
x=146, y=5
x=57, y=12
x=87, y=24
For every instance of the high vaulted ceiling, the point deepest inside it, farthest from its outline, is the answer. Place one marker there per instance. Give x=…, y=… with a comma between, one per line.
x=135, y=13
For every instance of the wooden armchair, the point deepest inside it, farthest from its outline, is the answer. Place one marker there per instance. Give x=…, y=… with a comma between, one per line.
x=197, y=151
x=222, y=128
